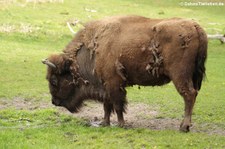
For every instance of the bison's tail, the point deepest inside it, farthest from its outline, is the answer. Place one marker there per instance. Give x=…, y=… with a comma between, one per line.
x=199, y=72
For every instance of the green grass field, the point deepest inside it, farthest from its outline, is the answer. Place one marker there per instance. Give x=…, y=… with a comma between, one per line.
x=31, y=31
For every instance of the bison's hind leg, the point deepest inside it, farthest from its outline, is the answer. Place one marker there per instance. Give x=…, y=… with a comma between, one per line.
x=184, y=86
x=189, y=100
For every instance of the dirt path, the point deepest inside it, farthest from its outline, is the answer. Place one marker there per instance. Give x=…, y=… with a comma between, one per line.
x=138, y=115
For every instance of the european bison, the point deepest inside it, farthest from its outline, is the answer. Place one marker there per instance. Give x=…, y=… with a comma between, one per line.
x=115, y=52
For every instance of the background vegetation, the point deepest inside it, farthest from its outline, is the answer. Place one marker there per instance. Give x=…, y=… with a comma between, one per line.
x=31, y=30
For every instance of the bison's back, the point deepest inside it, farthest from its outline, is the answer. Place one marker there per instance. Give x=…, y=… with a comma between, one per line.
x=149, y=49
x=146, y=50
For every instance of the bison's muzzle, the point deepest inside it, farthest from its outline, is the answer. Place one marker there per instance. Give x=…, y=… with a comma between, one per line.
x=56, y=102
x=59, y=103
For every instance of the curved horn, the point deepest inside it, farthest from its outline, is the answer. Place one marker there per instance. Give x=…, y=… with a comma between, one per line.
x=47, y=62
x=72, y=31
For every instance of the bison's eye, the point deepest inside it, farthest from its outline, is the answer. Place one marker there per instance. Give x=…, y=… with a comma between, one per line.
x=54, y=80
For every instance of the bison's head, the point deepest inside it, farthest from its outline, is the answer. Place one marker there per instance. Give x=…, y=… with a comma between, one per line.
x=61, y=81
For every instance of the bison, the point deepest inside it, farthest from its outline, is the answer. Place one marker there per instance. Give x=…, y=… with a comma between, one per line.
x=110, y=54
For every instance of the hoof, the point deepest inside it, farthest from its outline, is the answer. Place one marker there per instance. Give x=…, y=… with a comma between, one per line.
x=121, y=124
x=97, y=123
x=105, y=124
x=185, y=128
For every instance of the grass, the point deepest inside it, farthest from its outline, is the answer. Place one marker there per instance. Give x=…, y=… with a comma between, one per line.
x=44, y=129
x=30, y=32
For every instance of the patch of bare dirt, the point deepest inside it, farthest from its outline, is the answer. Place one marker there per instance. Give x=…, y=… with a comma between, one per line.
x=23, y=104
x=139, y=115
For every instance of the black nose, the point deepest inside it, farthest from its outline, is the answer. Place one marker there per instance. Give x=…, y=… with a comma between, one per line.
x=55, y=102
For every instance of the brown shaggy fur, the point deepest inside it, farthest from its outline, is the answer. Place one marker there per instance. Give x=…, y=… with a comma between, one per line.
x=115, y=52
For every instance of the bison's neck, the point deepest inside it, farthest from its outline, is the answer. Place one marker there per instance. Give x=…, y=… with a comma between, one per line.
x=86, y=92
x=93, y=93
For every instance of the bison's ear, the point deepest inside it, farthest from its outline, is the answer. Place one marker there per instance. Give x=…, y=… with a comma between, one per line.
x=54, y=80
x=67, y=64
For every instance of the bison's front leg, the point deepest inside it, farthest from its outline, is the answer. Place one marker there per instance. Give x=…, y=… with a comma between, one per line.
x=119, y=112
x=117, y=96
x=119, y=106
x=108, y=108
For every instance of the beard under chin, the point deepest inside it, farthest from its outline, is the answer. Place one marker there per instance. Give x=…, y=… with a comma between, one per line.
x=74, y=106
x=72, y=110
